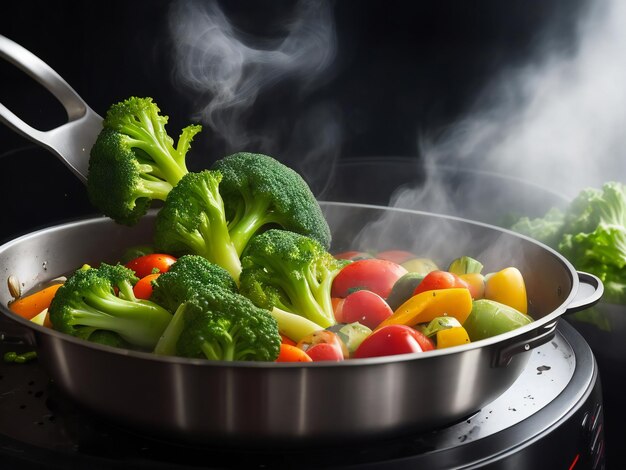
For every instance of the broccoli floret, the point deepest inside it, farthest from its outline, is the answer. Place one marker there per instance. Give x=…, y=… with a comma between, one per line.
x=188, y=275
x=260, y=192
x=292, y=272
x=219, y=325
x=134, y=161
x=88, y=300
x=192, y=221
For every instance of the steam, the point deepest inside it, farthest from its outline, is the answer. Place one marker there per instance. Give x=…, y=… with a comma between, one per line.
x=558, y=122
x=230, y=71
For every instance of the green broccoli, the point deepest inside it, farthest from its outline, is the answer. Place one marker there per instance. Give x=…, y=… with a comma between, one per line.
x=88, y=300
x=292, y=272
x=134, y=161
x=260, y=192
x=188, y=275
x=192, y=221
x=219, y=325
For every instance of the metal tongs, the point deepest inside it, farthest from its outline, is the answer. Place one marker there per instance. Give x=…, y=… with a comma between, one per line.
x=70, y=142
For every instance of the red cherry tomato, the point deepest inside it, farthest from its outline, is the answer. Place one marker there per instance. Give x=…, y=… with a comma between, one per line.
x=325, y=352
x=143, y=288
x=391, y=340
x=376, y=275
x=439, y=280
x=366, y=307
x=333, y=348
x=396, y=256
x=149, y=264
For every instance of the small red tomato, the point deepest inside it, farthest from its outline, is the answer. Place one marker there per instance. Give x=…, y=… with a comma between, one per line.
x=396, y=256
x=365, y=307
x=325, y=352
x=376, y=275
x=439, y=280
x=334, y=349
x=149, y=264
x=143, y=288
x=391, y=340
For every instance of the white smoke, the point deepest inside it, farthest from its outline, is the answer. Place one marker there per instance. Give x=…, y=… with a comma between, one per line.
x=228, y=70
x=559, y=121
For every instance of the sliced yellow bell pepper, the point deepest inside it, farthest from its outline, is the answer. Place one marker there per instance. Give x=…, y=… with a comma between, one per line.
x=507, y=287
x=426, y=306
x=452, y=337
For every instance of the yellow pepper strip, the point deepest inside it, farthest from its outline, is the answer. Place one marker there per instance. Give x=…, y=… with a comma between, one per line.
x=507, y=287
x=425, y=306
x=452, y=337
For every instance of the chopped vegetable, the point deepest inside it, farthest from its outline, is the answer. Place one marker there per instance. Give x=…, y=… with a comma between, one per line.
x=351, y=334
x=292, y=353
x=32, y=305
x=292, y=272
x=391, y=340
x=403, y=289
x=365, y=307
x=220, y=325
x=439, y=280
x=507, y=287
x=188, y=275
x=134, y=160
x=465, y=265
x=150, y=263
x=88, y=301
x=260, y=192
x=376, y=275
x=192, y=221
x=324, y=345
x=489, y=318
x=425, y=306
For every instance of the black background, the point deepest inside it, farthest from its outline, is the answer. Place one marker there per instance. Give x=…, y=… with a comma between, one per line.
x=402, y=68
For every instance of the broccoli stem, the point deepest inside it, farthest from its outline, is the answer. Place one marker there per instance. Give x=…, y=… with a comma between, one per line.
x=294, y=326
x=138, y=322
x=257, y=214
x=156, y=145
x=166, y=346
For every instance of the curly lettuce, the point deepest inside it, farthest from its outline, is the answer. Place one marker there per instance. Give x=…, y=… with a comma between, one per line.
x=591, y=233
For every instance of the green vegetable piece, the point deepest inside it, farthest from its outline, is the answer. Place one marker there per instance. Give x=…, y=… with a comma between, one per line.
x=220, y=325
x=352, y=334
x=260, y=192
x=465, y=265
x=403, y=289
x=134, y=160
x=192, y=221
x=88, y=299
x=438, y=324
x=292, y=272
x=489, y=318
x=188, y=275
x=10, y=356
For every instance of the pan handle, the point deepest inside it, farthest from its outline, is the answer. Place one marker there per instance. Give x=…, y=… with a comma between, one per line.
x=72, y=141
x=590, y=290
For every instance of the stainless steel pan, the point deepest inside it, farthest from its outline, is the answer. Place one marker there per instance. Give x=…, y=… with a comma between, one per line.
x=261, y=403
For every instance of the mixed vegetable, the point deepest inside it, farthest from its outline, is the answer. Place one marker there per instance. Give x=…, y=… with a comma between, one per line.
x=240, y=267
